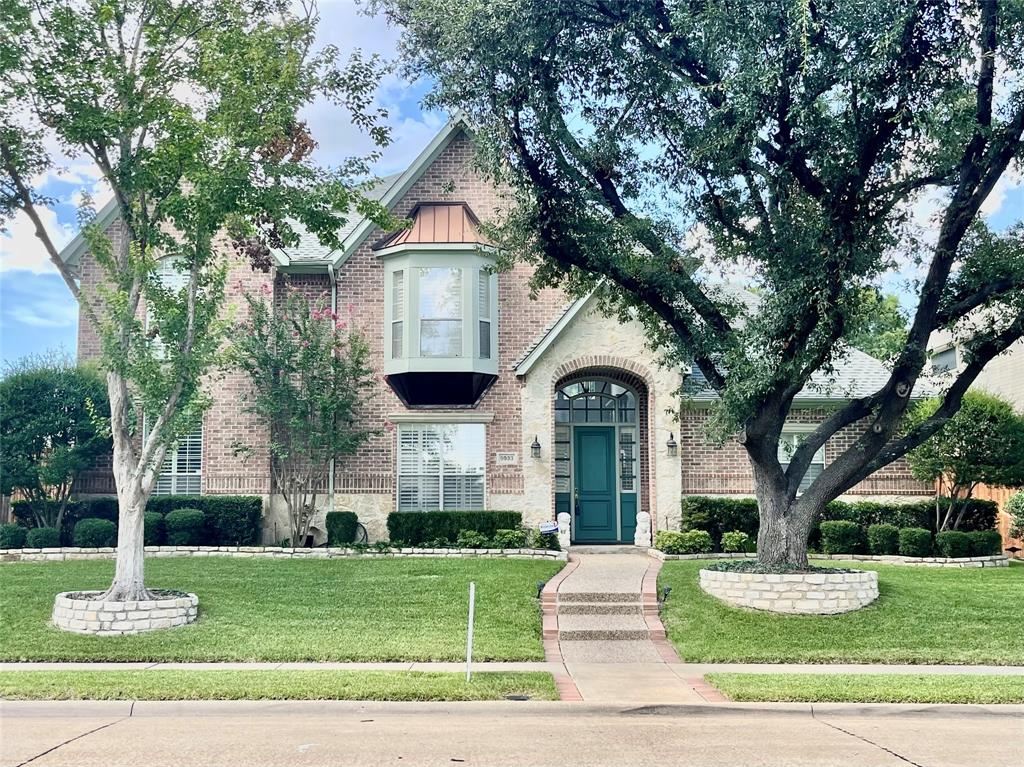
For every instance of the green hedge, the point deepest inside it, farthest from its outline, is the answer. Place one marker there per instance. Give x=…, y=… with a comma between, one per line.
x=720, y=515
x=414, y=528
x=953, y=543
x=43, y=538
x=687, y=542
x=839, y=536
x=153, y=528
x=883, y=539
x=12, y=536
x=92, y=533
x=985, y=543
x=915, y=542
x=185, y=527
x=341, y=527
x=231, y=520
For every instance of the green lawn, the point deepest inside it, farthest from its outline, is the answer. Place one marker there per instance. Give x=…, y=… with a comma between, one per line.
x=870, y=688
x=271, y=685
x=293, y=610
x=923, y=615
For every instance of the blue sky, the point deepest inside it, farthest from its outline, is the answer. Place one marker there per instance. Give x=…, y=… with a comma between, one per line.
x=37, y=313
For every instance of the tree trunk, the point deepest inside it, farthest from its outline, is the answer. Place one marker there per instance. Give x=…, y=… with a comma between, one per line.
x=784, y=527
x=128, y=573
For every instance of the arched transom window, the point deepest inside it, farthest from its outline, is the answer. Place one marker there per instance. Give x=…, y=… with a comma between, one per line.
x=595, y=401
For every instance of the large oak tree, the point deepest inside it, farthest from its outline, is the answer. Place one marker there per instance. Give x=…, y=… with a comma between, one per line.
x=652, y=145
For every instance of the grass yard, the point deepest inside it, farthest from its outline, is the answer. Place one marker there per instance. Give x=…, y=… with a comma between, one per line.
x=923, y=615
x=292, y=610
x=271, y=685
x=870, y=688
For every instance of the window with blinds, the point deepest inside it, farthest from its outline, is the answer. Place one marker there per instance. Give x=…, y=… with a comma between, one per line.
x=788, y=443
x=484, y=304
x=441, y=467
x=182, y=472
x=397, y=314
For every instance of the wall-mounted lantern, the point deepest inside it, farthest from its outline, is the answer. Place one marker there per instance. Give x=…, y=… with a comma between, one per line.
x=672, y=445
x=535, y=447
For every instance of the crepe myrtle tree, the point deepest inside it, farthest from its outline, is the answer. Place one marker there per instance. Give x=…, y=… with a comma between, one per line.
x=982, y=443
x=189, y=110
x=310, y=379
x=652, y=146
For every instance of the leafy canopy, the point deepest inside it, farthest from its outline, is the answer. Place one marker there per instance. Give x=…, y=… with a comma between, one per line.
x=653, y=148
x=52, y=428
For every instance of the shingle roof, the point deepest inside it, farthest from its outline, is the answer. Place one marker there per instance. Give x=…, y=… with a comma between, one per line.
x=309, y=247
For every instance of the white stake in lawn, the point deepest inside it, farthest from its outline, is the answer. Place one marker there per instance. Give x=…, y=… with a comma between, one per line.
x=469, y=633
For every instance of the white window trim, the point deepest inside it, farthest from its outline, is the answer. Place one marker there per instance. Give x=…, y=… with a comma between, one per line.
x=804, y=428
x=441, y=474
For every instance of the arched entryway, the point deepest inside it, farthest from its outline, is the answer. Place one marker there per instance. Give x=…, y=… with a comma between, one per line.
x=599, y=465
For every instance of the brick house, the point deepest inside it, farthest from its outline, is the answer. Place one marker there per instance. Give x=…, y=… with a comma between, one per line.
x=497, y=400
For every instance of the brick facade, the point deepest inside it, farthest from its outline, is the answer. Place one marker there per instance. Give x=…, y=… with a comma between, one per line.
x=518, y=407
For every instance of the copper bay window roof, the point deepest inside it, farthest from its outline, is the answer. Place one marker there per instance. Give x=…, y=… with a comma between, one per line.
x=438, y=223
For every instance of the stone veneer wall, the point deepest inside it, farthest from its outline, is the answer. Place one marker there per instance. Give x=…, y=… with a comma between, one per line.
x=798, y=593
x=71, y=553
x=72, y=611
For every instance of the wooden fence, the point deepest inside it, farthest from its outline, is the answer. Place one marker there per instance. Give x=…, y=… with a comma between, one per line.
x=1001, y=495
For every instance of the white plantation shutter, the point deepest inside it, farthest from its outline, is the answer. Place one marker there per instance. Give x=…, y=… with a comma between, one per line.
x=175, y=279
x=440, y=467
x=182, y=471
x=484, y=307
x=397, y=313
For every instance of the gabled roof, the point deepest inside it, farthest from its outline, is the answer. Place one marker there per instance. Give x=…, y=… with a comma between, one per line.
x=309, y=253
x=547, y=336
x=436, y=223
x=72, y=252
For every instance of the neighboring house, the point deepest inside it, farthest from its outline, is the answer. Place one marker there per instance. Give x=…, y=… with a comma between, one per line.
x=1003, y=375
x=498, y=400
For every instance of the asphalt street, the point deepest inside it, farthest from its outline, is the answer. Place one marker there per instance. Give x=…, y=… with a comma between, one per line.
x=155, y=734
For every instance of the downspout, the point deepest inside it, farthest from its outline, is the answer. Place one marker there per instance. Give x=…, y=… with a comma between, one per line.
x=334, y=308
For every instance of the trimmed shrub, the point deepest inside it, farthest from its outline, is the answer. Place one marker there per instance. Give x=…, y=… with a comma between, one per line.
x=231, y=520
x=414, y=528
x=43, y=538
x=92, y=533
x=153, y=528
x=1015, y=508
x=510, y=539
x=688, y=542
x=719, y=515
x=915, y=542
x=883, y=539
x=12, y=536
x=737, y=542
x=985, y=543
x=841, y=537
x=185, y=527
x=952, y=543
x=341, y=527
x=471, y=539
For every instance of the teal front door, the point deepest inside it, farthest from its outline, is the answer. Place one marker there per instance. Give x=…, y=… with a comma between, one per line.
x=595, y=518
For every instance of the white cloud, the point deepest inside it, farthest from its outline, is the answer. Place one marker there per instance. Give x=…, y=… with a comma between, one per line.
x=21, y=249
x=1010, y=180
x=50, y=314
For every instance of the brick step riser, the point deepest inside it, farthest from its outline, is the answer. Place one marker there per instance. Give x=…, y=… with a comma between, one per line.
x=599, y=608
x=598, y=596
x=583, y=635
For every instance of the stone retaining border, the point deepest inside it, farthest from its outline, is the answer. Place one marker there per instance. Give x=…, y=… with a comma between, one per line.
x=115, y=618
x=996, y=560
x=70, y=553
x=795, y=593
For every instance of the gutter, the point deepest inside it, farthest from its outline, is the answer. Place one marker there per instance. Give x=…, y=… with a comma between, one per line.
x=334, y=308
